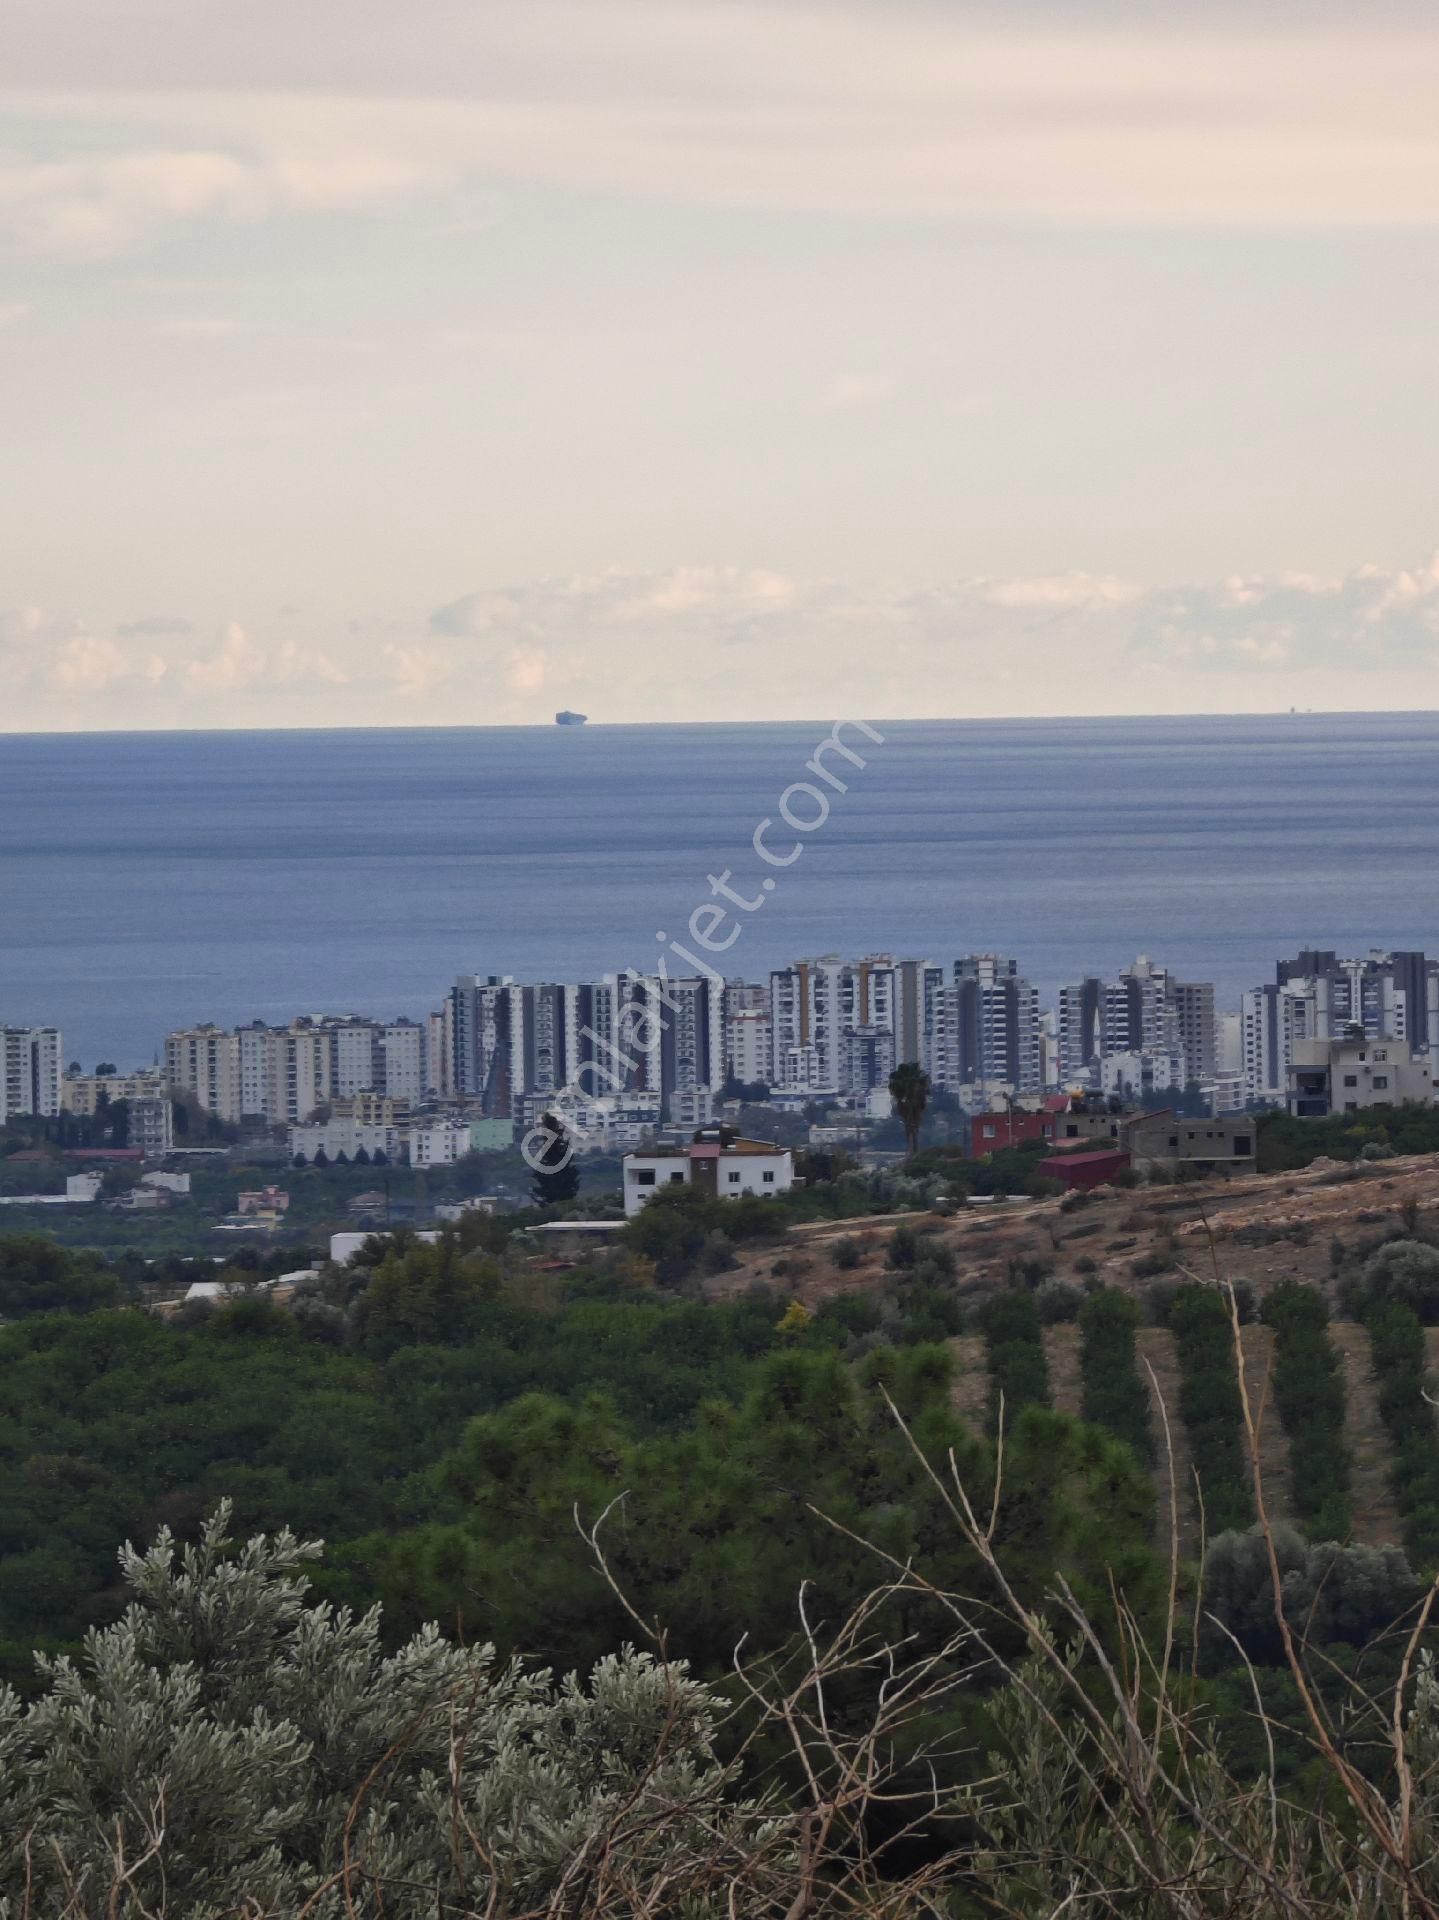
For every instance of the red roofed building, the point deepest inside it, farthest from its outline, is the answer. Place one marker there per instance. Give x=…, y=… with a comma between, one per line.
x=1083, y=1169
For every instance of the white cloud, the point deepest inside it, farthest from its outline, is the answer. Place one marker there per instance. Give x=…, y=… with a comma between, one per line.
x=857, y=392
x=239, y=663
x=1064, y=593
x=102, y=204
x=870, y=109
x=1368, y=619
x=698, y=642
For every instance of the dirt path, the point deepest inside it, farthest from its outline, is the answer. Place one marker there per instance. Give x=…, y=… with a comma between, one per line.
x=1371, y=1499
x=1155, y=1349
x=1258, y=1345
x=970, y=1397
x=1061, y=1350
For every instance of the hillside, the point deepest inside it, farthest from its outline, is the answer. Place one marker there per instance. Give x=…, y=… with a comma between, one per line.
x=1314, y=1229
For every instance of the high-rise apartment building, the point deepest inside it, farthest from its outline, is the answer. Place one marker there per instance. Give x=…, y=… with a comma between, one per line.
x=997, y=1026
x=30, y=1063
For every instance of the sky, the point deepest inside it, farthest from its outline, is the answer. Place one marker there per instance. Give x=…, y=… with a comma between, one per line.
x=715, y=359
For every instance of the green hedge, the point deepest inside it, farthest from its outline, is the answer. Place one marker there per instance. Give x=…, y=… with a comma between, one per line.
x=1309, y=1393
x=1115, y=1396
x=1211, y=1408
x=1018, y=1371
x=1396, y=1339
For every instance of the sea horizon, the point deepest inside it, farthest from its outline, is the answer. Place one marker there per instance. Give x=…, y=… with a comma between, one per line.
x=158, y=879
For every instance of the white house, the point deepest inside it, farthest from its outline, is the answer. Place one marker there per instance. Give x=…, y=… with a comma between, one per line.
x=716, y=1161
x=439, y=1145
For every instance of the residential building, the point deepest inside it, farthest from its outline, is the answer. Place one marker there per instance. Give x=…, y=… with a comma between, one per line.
x=29, y=1071
x=82, y=1093
x=718, y=1162
x=349, y=1137
x=1132, y=1075
x=997, y=1030
x=1206, y=1146
x=747, y=1046
x=1347, y=1075
x=438, y=1145
x=1081, y=1029
x=151, y=1125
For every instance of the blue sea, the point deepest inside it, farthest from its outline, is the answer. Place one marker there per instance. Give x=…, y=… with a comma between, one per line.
x=152, y=880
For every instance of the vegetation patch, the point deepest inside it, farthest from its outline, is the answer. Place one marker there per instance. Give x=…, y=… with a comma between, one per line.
x=1210, y=1405
x=1115, y=1396
x=1309, y=1393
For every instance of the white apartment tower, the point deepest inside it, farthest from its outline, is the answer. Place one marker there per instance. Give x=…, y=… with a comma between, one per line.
x=30, y=1065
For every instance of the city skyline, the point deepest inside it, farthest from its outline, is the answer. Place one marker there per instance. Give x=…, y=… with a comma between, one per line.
x=664, y=360
x=659, y=1046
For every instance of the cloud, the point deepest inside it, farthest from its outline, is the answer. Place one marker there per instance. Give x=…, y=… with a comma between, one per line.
x=726, y=604
x=876, y=109
x=240, y=663
x=154, y=626
x=721, y=642
x=56, y=652
x=1064, y=593
x=857, y=392
x=1369, y=618
x=103, y=204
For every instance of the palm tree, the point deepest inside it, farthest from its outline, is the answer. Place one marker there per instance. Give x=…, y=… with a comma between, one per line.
x=909, y=1090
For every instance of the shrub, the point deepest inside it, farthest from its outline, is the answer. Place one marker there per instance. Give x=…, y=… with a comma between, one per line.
x=846, y=1254
x=1115, y=1397
x=1057, y=1301
x=1331, y=1593
x=215, y=1750
x=1086, y=1264
x=903, y=1248
x=1309, y=1393
x=717, y=1255
x=1210, y=1405
x=1149, y=1264
x=1396, y=1339
x=1406, y=1273
x=1018, y=1373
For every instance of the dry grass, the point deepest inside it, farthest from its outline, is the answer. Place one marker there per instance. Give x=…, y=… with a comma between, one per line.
x=1061, y=1351
x=969, y=1394
x=1157, y=1354
x=1258, y=1344
x=1375, y=1517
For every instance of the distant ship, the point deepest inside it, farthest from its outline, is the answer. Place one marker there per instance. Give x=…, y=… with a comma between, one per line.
x=567, y=719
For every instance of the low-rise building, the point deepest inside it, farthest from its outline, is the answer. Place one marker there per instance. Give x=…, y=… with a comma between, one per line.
x=83, y=1093
x=1214, y=1144
x=1348, y=1075
x=716, y=1161
x=348, y=1137
x=438, y=1145
x=263, y=1200
x=151, y=1124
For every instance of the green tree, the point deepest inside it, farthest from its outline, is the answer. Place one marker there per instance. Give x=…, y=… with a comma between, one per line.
x=557, y=1177
x=909, y=1090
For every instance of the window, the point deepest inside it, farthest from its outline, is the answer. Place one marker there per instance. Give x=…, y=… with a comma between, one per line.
x=1243, y=1146
x=644, y=1176
x=1380, y=1053
x=768, y=1179
x=734, y=1179
x=1351, y=1079
x=676, y=1179
x=1381, y=1080
x=987, y=1132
